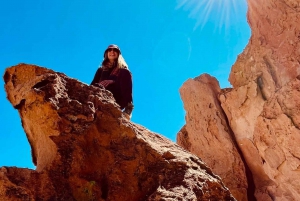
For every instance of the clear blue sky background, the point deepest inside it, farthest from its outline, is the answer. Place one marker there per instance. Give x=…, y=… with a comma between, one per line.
x=164, y=42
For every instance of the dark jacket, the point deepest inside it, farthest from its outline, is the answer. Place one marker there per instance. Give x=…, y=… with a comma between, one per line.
x=121, y=88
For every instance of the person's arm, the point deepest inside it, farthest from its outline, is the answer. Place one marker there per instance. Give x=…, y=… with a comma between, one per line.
x=126, y=88
x=97, y=77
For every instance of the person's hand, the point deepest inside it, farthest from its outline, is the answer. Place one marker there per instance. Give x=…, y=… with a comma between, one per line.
x=99, y=85
x=128, y=110
x=105, y=83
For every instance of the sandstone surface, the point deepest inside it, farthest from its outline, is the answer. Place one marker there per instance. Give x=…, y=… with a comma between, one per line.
x=208, y=134
x=84, y=149
x=262, y=108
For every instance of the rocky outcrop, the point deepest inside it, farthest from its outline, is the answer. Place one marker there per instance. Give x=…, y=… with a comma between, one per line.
x=272, y=55
x=208, y=135
x=262, y=108
x=84, y=149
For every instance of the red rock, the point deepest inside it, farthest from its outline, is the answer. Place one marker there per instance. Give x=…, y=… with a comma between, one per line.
x=208, y=135
x=262, y=109
x=273, y=50
x=84, y=148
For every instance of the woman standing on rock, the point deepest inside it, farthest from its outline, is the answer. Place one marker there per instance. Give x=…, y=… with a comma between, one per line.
x=115, y=76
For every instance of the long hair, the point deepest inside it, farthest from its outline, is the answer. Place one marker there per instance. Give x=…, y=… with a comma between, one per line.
x=120, y=61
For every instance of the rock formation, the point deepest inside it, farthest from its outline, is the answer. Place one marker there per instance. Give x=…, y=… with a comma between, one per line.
x=260, y=114
x=84, y=149
x=208, y=135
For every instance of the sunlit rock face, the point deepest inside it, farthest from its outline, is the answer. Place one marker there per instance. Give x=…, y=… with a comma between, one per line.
x=272, y=55
x=208, y=135
x=263, y=107
x=84, y=148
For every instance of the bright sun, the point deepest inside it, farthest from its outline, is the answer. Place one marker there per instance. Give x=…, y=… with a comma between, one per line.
x=221, y=12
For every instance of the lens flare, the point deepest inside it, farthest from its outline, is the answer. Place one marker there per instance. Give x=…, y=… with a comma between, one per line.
x=221, y=12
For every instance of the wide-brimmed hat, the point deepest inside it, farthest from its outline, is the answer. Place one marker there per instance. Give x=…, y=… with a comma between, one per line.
x=112, y=46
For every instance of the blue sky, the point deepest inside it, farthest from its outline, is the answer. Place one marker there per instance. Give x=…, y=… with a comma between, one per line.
x=163, y=42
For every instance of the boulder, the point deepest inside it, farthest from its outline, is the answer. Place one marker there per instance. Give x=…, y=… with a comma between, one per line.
x=85, y=149
x=261, y=111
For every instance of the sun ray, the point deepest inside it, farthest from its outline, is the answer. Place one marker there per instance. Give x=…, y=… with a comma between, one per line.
x=207, y=11
x=222, y=12
x=181, y=4
x=197, y=8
